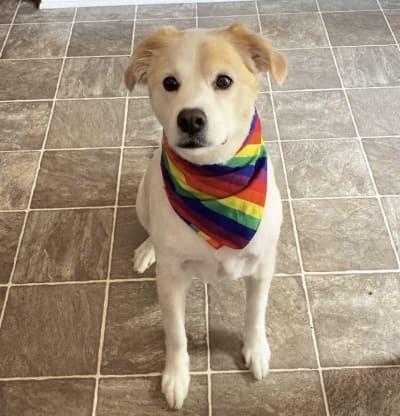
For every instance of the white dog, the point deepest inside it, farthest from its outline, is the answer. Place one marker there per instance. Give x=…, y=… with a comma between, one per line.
x=203, y=86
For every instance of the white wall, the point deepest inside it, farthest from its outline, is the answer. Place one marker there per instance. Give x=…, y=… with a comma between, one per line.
x=53, y=4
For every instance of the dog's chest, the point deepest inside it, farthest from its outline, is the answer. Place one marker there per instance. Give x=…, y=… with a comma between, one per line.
x=220, y=267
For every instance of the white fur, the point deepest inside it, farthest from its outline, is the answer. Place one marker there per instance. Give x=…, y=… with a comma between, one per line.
x=181, y=254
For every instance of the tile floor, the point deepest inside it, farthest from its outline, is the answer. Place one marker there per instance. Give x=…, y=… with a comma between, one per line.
x=80, y=331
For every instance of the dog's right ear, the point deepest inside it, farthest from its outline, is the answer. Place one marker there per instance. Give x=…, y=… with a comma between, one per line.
x=257, y=52
x=140, y=62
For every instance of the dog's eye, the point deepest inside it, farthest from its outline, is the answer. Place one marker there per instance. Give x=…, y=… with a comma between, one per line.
x=223, y=82
x=171, y=84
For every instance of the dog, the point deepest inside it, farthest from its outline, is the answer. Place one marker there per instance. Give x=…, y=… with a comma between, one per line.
x=203, y=86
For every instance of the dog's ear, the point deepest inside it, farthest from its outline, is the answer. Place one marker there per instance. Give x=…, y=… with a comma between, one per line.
x=143, y=53
x=258, y=54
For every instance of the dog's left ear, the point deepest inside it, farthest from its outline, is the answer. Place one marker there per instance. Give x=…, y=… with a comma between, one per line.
x=258, y=54
x=143, y=54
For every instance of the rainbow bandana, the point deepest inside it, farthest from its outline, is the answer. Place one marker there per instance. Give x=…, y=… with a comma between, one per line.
x=223, y=203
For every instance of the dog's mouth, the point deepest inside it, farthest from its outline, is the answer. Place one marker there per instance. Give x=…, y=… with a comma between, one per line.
x=196, y=142
x=192, y=142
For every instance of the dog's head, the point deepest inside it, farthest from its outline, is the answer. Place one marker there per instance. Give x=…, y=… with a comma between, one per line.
x=203, y=86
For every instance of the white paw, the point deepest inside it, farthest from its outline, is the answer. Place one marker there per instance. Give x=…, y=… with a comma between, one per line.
x=144, y=256
x=256, y=355
x=175, y=383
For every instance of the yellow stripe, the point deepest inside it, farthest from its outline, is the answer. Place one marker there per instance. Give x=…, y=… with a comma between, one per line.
x=249, y=208
x=201, y=234
x=180, y=177
x=249, y=151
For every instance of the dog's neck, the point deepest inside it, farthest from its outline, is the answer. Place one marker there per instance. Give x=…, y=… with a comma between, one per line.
x=223, y=203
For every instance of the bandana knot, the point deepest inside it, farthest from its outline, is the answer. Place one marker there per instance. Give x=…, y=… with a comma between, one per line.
x=222, y=203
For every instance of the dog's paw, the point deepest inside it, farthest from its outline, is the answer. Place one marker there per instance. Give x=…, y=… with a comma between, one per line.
x=144, y=256
x=175, y=383
x=256, y=355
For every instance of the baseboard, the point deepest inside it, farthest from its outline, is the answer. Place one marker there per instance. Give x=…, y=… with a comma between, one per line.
x=57, y=4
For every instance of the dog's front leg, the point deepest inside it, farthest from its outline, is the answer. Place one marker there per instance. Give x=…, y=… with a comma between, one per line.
x=256, y=350
x=172, y=291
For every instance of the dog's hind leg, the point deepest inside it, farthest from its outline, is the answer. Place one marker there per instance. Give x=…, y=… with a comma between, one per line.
x=256, y=350
x=144, y=256
x=172, y=288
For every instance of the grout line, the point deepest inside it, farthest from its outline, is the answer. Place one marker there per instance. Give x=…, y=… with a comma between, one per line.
x=195, y=373
x=335, y=138
x=60, y=57
x=333, y=197
x=327, y=12
x=378, y=87
x=3, y=308
x=184, y=18
x=361, y=367
x=284, y=13
x=84, y=282
x=378, y=196
x=60, y=22
x=35, y=179
x=153, y=279
x=102, y=331
x=347, y=272
x=388, y=24
x=11, y=24
x=66, y=208
x=157, y=146
x=107, y=290
x=151, y=146
x=74, y=149
x=311, y=198
x=140, y=97
x=34, y=100
x=259, y=22
x=310, y=317
x=337, y=47
x=209, y=371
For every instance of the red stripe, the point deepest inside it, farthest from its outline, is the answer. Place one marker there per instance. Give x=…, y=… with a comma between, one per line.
x=253, y=196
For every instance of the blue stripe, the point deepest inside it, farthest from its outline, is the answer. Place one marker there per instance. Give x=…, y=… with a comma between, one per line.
x=221, y=220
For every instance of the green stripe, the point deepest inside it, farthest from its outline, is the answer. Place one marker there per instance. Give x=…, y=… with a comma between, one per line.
x=179, y=190
x=238, y=161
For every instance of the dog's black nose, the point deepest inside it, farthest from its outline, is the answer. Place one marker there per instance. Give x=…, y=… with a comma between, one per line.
x=192, y=120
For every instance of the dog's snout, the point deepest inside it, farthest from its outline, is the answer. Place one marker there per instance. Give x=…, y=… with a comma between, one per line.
x=192, y=120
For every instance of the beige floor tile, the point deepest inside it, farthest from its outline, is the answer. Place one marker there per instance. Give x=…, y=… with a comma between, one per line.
x=356, y=318
x=284, y=394
x=47, y=397
x=134, y=338
x=77, y=178
x=65, y=246
x=51, y=330
x=87, y=123
x=366, y=392
x=17, y=172
x=288, y=328
x=129, y=396
x=10, y=229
